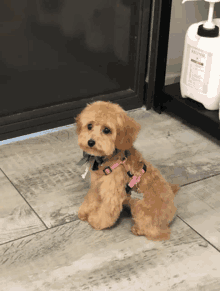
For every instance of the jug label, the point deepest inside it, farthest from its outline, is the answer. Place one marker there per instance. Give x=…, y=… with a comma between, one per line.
x=198, y=67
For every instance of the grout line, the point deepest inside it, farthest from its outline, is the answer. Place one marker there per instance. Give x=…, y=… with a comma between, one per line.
x=13, y=240
x=34, y=233
x=200, y=180
x=24, y=199
x=198, y=233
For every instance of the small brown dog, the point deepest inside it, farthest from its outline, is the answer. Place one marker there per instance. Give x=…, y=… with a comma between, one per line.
x=106, y=135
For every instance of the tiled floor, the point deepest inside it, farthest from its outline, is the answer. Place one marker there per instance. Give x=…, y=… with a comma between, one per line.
x=44, y=246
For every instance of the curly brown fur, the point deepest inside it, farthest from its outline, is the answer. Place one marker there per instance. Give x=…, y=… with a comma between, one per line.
x=109, y=127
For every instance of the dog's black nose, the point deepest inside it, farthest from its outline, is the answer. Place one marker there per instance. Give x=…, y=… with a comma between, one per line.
x=91, y=143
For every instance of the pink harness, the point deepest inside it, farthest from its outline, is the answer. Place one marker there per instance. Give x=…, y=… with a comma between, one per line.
x=108, y=170
x=135, y=179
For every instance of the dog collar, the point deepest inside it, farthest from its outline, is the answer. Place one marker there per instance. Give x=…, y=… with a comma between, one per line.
x=95, y=161
x=117, y=156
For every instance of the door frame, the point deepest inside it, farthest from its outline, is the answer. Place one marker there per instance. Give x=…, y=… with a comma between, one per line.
x=158, y=48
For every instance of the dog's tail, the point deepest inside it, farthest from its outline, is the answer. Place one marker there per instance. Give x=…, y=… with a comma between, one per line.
x=175, y=188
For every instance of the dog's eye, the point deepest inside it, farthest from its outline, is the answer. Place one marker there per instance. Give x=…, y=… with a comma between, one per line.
x=89, y=126
x=106, y=130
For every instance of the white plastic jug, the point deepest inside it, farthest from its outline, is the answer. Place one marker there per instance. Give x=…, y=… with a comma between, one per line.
x=200, y=75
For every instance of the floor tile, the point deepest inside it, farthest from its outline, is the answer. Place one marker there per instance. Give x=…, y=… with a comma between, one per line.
x=198, y=205
x=44, y=171
x=17, y=219
x=76, y=257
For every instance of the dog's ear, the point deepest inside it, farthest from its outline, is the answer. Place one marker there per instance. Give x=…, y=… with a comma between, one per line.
x=127, y=131
x=78, y=124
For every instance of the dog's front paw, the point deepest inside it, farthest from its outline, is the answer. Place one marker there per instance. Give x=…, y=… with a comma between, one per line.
x=82, y=214
x=96, y=222
x=99, y=221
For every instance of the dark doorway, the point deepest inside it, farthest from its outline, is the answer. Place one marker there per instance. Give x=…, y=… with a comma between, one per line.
x=56, y=52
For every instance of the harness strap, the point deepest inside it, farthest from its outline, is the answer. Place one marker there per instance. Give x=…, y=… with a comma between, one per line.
x=135, y=180
x=108, y=170
x=119, y=160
